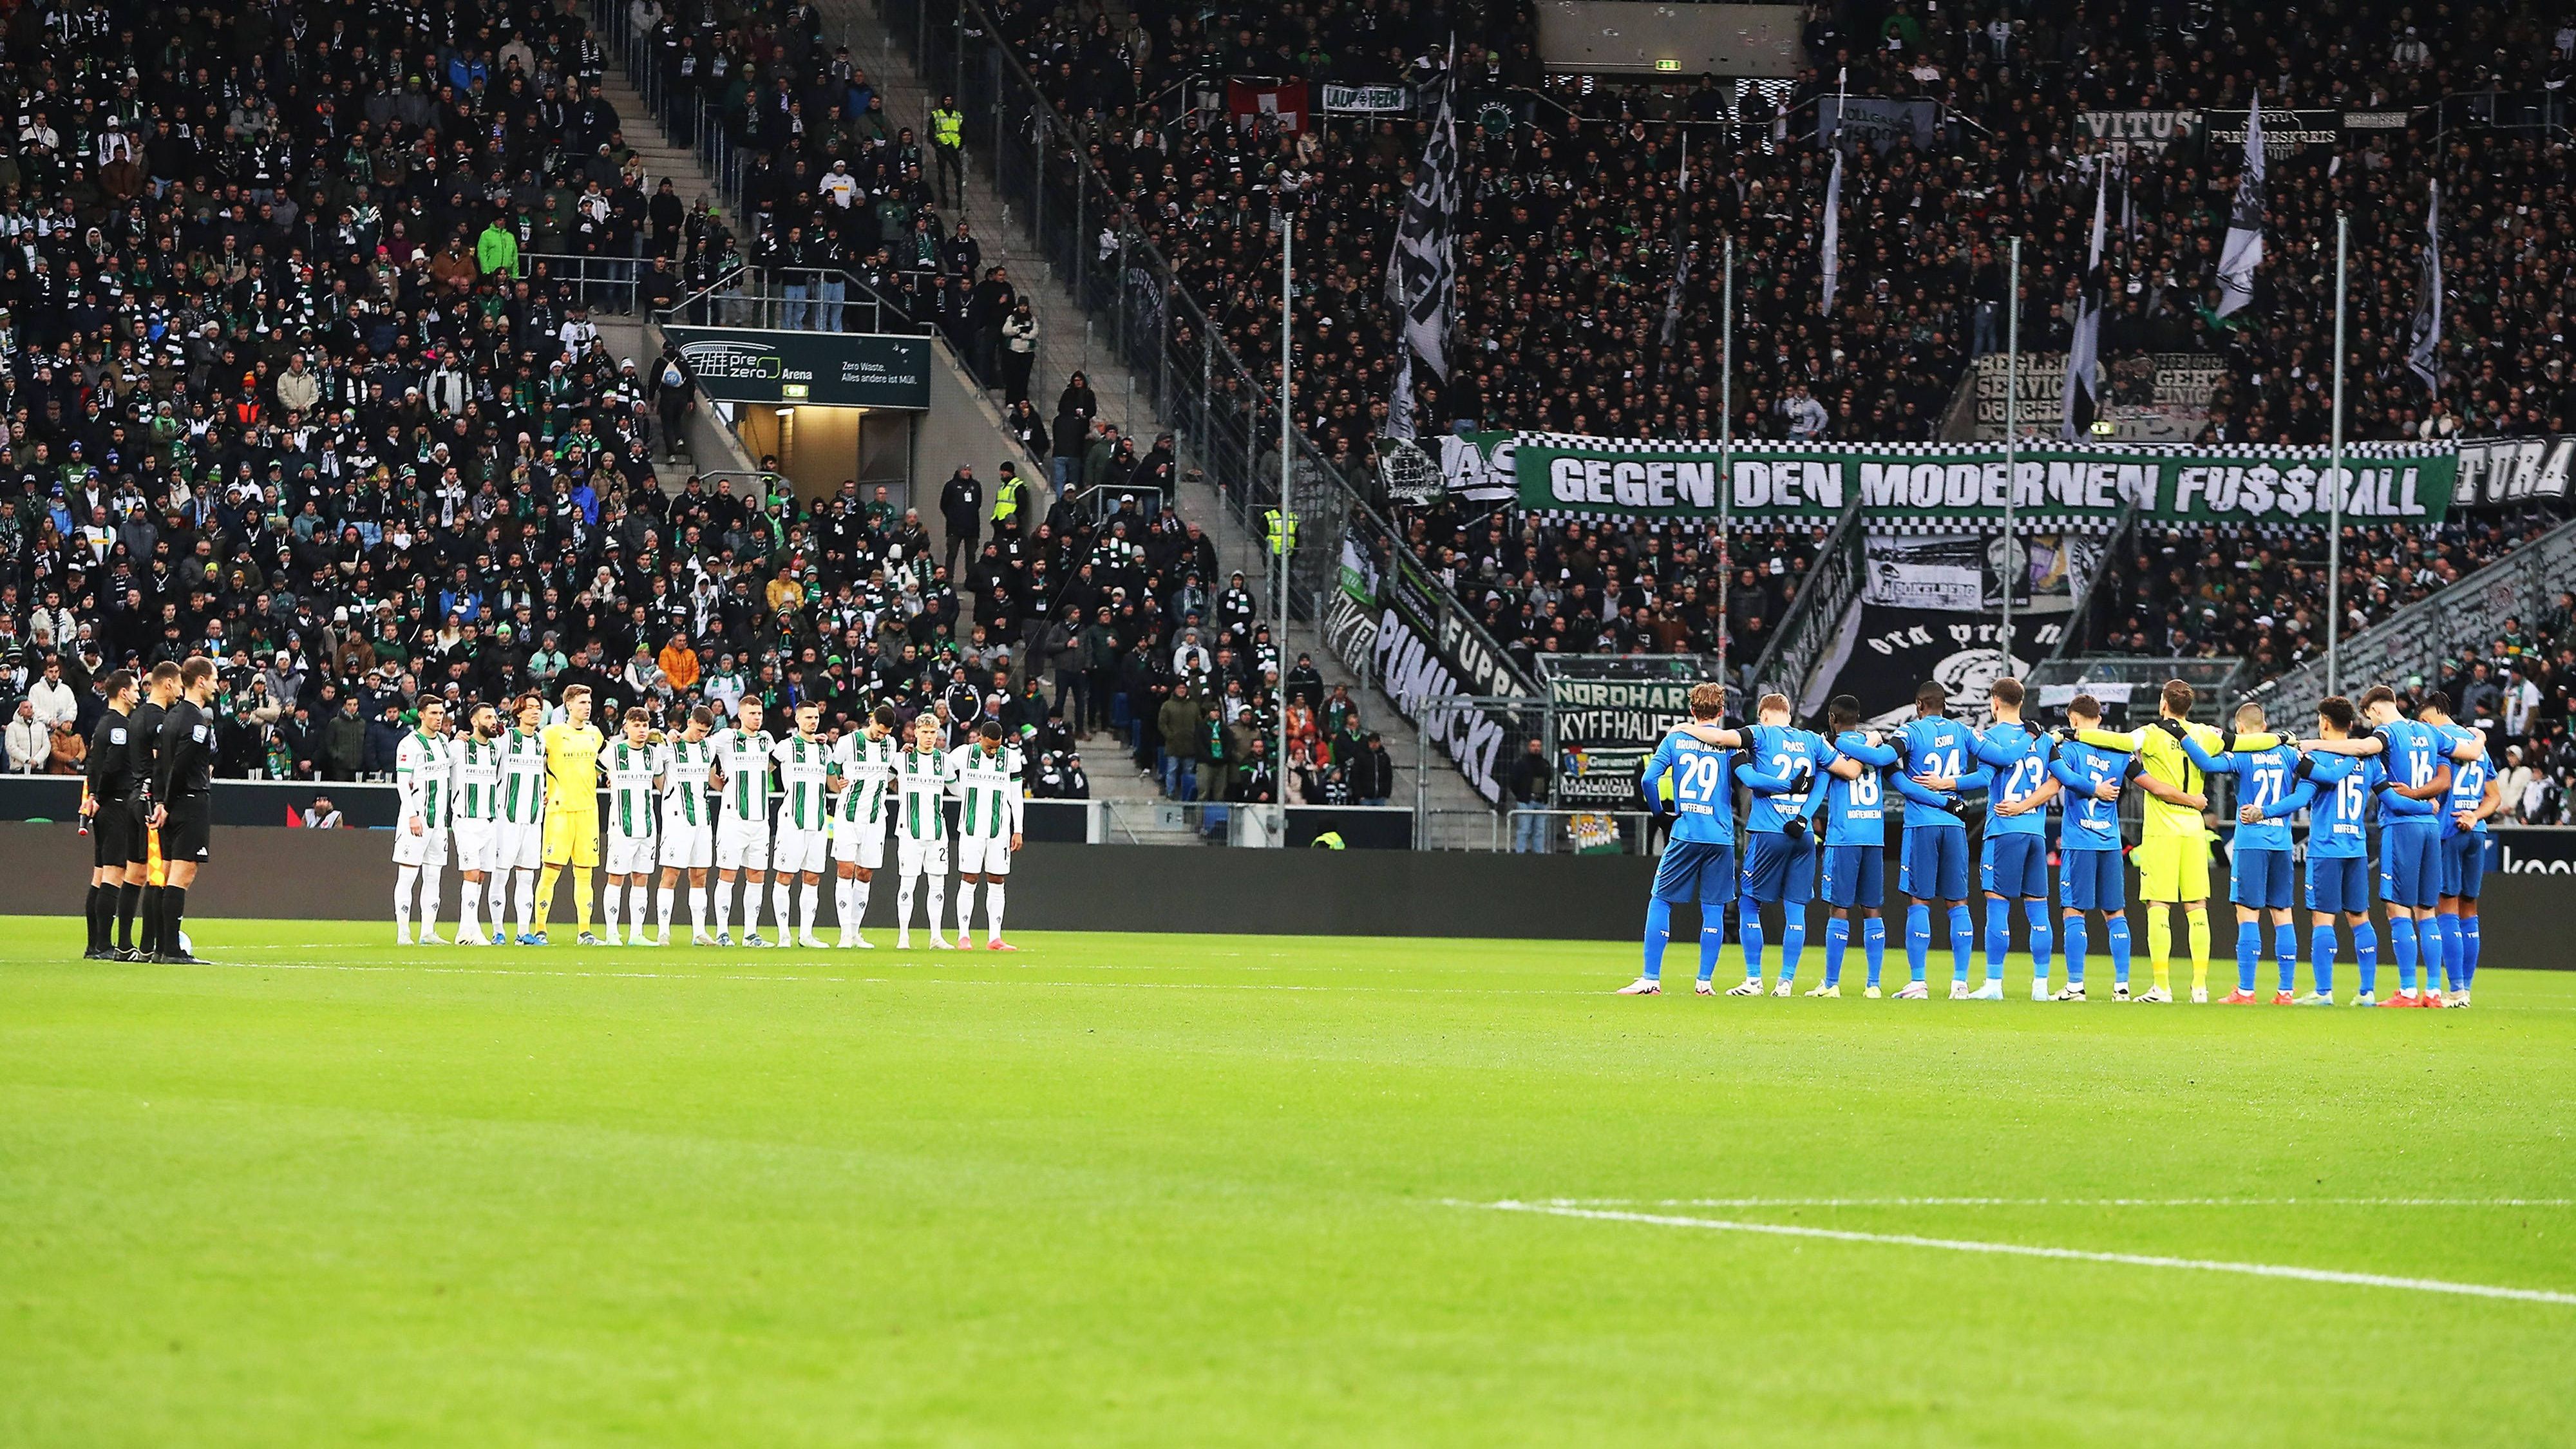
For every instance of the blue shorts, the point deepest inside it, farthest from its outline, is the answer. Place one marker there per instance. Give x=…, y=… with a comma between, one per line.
x=1934, y=866
x=2464, y=864
x=2261, y=878
x=2017, y=866
x=1856, y=875
x=1694, y=870
x=2092, y=880
x=2339, y=884
x=1777, y=868
x=2410, y=865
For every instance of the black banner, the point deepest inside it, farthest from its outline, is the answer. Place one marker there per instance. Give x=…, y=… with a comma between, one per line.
x=1893, y=651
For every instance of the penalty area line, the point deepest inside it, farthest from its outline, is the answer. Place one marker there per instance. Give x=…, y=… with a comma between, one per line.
x=2062, y=1202
x=2027, y=1250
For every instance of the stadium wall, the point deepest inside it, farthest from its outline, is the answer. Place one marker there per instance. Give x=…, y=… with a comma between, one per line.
x=262, y=872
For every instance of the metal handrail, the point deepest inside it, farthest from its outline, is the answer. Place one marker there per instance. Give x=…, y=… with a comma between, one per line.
x=756, y=297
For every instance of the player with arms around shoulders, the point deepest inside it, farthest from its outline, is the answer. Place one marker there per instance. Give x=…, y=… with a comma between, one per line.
x=688, y=826
x=183, y=782
x=1855, y=853
x=636, y=767
x=2265, y=767
x=987, y=773
x=424, y=779
x=476, y=787
x=2336, y=790
x=2173, y=841
x=572, y=745
x=862, y=769
x=1939, y=764
x=1691, y=778
x=2016, y=866
x=2091, y=868
x=2415, y=759
x=804, y=761
x=742, y=774
x=1779, y=841
x=921, y=829
x=2475, y=795
x=520, y=838
x=110, y=823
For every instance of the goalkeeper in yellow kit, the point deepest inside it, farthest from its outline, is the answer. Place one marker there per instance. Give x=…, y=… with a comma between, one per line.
x=572, y=746
x=2173, y=843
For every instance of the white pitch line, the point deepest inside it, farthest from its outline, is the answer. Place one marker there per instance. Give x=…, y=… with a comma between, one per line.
x=2025, y=1250
x=1013, y=981
x=2082, y=1202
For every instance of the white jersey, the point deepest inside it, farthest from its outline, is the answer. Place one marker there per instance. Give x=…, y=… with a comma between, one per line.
x=633, y=771
x=422, y=774
x=921, y=782
x=868, y=767
x=523, y=777
x=684, y=785
x=743, y=756
x=475, y=779
x=989, y=782
x=802, y=764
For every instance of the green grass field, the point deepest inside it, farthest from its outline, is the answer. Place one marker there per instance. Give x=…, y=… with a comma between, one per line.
x=1158, y=1189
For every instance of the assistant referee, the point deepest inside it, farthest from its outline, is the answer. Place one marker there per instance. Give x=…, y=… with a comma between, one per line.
x=183, y=779
x=111, y=821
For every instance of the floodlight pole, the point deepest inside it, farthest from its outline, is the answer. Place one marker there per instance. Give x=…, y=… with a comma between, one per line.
x=2012, y=444
x=1279, y=535
x=2334, y=476
x=1725, y=454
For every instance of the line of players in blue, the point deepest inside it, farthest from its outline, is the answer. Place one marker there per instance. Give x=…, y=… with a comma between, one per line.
x=2429, y=778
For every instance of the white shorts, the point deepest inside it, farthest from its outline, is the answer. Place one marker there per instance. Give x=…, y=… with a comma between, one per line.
x=742, y=845
x=628, y=854
x=477, y=845
x=519, y=845
x=688, y=847
x=799, y=852
x=427, y=848
x=921, y=857
x=859, y=844
x=983, y=855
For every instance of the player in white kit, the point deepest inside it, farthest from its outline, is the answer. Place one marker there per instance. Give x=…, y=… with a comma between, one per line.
x=476, y=785
x=520, y=842
x=804, y=762
x=987, y=773
x=631, y=837
x=862, y=768
x=921, y=829
x=424, y=781
x=742, y=821
x=688, y=826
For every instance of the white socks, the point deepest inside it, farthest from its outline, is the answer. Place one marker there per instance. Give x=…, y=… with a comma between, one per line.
x=527, y=894
x=698, y=908
x=809, y=899
x=724, y=906
x=608, y=909
x=965, y=908
x=752, y=896
x=903, y=905
x=666, y=898
x=469, y=904
x=782, y=894
x=429, y=882
x=993, y=910
x=405, y=877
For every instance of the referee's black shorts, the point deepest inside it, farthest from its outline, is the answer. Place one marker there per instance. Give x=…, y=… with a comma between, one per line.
x=112, y=835
x=138, y=834
x=187, y=832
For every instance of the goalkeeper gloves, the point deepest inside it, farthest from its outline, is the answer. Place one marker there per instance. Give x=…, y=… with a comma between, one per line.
x=1794, y=828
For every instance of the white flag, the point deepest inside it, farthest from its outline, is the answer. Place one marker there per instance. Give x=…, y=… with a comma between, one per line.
x=2424, y=333
x=1399, y=401
x=1833, y=230
x=2243, y=252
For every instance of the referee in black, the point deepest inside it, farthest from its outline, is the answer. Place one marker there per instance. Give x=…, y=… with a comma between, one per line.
x=160, y=691
x=183, y=777
x=110, y=818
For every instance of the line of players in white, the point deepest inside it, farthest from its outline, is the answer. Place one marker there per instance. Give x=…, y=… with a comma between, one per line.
x=755, y=809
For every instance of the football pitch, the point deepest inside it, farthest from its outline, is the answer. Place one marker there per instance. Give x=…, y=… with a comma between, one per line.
x=1253, y=1190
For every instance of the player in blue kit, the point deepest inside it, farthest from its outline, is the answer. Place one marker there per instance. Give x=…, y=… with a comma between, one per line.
x=2089, y=871
x=1855, y=856
x=1779, y=845
x=1692, y=779
x=2417, y=761
x=2336, y=791
x=2265, y=767
x=2475, y=795
x=1939, y=763
x=2016, y=865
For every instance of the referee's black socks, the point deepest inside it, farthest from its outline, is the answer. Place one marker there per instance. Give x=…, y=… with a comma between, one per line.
x=174, y=910
x=149, y=938
x=128, y=896
x=97, y=937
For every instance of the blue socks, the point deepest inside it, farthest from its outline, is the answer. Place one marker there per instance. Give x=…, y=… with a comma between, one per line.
x=2116, y=931
x=1837, y=940
x=1963, y=940
x=1748, y=929
x=1712, y=940
x=2401, y=940
x=2428, y=944
x=2249, y=953
x=1918, y=937
x=2321, y=954
x=1659, y=929
x=1873, y=941
x=1998, y=937
x=2468, y=952
x=2042, y=946
x=1793, y=939
x=2075, y=947
x=2365, y=955
x=2285, y=952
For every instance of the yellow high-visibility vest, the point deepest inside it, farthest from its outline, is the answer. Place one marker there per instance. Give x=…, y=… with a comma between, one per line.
x=948, y=128
x=1270, y=528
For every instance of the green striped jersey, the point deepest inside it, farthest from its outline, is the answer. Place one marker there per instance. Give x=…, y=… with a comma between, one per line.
x=921, y=780
x=744, y=758
x=803, y=762
x=632, y=792
x=523, y=777
x=421, y=774
x=684, y=783
x=989, y=784
x=868, y=766
x=476, y=778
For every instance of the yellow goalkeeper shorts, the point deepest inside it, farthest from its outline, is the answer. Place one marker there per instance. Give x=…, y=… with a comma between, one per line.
x=572, y=839
x=2173, y=868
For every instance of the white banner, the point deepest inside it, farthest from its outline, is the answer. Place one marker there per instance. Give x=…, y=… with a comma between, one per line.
x=1368, y=100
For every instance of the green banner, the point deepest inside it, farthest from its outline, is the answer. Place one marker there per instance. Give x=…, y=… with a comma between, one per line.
x=807, y=369
x=2054, y=487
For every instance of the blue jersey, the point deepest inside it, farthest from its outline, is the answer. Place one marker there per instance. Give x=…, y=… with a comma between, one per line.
x=2336, y=796
x=2264, y=779
x=1937, y=746
x=2017, y=755
x=2468, y=780
x=1703, y=783
x=2091, y=824
x=1778, y=757
x=1856, y=809
x=2412, y=753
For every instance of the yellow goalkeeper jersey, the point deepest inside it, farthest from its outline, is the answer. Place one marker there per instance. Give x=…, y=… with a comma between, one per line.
x=572, y=767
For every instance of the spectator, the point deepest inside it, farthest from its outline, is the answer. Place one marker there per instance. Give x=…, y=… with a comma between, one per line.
x=51, y=698
x=1530, y=776
x=344, y=741
x=324, y=815
x=1372, y=773
x=67, y=752
x=29, y=744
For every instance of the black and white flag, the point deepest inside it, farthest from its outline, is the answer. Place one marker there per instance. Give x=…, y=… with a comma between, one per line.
x=1832, y=241
x=2243, y=252
x=2424, y=333
x=1419, y=276
x=2081, y=398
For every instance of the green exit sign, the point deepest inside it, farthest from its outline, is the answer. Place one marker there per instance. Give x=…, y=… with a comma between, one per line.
x=1668, y=65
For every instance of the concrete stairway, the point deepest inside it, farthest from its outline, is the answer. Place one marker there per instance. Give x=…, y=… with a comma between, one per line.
x=661, y=158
